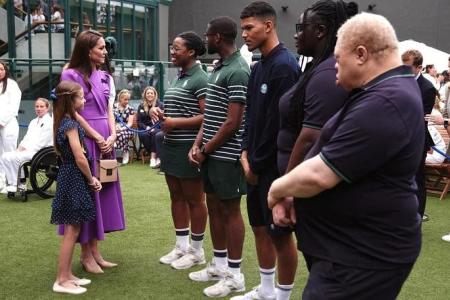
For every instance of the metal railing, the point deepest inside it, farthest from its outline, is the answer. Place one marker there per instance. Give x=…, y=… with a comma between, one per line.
x=37, y=77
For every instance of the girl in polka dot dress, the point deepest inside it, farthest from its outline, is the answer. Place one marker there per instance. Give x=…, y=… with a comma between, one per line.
x=124, y=113
x=73, y=203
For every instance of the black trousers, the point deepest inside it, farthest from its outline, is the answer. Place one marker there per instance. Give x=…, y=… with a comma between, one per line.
x=331, y=281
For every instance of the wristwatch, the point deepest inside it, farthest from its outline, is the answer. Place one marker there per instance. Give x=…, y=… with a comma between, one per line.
x=445, y=123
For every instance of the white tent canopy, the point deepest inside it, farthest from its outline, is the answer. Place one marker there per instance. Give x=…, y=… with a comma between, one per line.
x=430, y=55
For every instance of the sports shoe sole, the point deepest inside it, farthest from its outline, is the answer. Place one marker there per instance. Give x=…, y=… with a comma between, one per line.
x=188, y=266
x=221, y=295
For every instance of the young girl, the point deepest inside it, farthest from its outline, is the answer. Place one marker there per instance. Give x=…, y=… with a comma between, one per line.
x=125, y=113
x=73, y=203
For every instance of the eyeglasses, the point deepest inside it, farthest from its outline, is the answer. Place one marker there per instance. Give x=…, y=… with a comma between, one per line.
x=175, y=49
x=206, y=34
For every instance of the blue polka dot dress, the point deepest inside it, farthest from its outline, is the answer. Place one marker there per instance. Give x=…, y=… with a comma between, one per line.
x=73, y=203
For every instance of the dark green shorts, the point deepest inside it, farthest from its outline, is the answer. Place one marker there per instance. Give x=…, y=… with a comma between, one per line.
x=175, y=162
x=223, y=178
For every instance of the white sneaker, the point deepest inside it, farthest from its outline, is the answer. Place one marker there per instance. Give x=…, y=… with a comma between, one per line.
x=255, y=294
x=125, y=157
x=227, y=285
x=192, y=258
x=211, y=272
x=22, y=187
x=152, y=163
x=172, y=256
x=446, y=238
x=158, y=163
x=11, y=188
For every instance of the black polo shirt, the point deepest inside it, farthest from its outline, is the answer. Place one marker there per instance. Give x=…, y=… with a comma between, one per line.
x=374, y=143
x=269, y=80
x=322, y=99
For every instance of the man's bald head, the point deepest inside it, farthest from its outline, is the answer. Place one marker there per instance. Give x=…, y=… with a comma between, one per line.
x=366, y=47
x=372, y=31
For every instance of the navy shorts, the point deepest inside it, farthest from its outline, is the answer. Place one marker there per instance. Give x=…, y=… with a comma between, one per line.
x=258, y=211
x=331, y=281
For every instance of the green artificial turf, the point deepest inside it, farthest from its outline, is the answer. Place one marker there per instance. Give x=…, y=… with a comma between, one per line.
x=29, y=249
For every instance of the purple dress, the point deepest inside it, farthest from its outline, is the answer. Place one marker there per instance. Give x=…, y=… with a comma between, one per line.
x=108, y=202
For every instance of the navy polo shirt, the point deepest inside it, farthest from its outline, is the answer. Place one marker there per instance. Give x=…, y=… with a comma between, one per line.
x=322, y=99
x=374, y=143
x=269, y=80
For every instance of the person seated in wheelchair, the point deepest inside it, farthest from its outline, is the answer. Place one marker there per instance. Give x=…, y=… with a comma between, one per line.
x=124, y=115
x=39, y=135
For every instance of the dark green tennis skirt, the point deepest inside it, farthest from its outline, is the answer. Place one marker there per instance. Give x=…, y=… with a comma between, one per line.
x=175, y=162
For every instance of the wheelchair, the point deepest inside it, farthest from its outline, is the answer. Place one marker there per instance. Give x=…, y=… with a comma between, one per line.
x=41, y=171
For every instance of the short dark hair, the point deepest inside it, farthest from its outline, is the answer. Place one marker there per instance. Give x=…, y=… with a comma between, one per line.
x=259, y=9
x=415, y=55
x=428, y=68
x=225, y=26
x=193, y=42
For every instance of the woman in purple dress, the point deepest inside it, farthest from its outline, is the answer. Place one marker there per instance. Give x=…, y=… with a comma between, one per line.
x=97, y=120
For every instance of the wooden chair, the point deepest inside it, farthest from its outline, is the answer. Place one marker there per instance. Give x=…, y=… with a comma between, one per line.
x=438, y=175
x=145, y=156
x=134, y=149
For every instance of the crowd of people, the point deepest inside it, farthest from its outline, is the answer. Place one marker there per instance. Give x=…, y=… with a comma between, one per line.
x=307, y=147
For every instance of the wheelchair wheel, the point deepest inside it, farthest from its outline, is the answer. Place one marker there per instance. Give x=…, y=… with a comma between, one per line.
x=43, y=172
x=24, y=196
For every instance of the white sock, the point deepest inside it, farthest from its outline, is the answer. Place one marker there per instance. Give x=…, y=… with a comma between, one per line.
x=267, y=281
x=182, y=236
x=197, y=240
x=220, y=258
x=284, y=291
x=234, y=265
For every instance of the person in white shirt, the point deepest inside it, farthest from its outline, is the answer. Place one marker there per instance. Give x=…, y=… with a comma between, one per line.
x=10, y=96
x=57, y=16
x=39, y=135
x=431, y=75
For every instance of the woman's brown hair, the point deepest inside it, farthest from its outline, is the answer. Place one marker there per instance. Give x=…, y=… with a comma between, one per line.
x=144, y=100
x=66, y=91
x=5, y=79
x=80, y=59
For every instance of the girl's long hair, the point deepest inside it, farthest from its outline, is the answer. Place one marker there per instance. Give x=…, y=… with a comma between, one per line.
x=66, y=91
x=144, y=100
x=5, y=79
x=80, y=59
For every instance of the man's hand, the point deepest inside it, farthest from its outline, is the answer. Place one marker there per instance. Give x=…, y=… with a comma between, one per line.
x=198, y=156
x=436, y=119
x=283, y=212
x=168, y=125
x=251, y=177
x=192, y=155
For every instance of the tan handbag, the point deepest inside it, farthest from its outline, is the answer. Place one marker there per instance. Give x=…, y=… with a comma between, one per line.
x=107, y=170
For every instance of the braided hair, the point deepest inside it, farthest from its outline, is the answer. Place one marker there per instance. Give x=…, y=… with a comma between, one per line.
x=193, y=42
x=332, y=14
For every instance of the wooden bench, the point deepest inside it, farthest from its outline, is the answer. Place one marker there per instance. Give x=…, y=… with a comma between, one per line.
x=437, y=176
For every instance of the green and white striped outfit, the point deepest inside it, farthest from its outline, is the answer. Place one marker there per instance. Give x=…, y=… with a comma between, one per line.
x=181, y=100
x=227, y=84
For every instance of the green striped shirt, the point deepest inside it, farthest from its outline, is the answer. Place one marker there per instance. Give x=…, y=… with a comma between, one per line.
x=181, y=100
x=227, y=84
